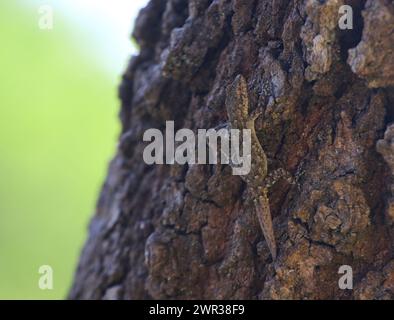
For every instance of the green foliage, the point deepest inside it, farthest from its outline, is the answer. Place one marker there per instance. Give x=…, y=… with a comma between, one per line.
x=57, y=131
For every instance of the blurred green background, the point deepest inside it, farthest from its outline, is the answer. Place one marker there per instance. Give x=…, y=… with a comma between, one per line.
x=58, y=130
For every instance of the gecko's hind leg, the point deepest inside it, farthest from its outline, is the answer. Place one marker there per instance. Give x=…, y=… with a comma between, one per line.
x=274, y=176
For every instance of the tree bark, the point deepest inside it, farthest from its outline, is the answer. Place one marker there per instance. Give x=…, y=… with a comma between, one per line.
x=186, y=232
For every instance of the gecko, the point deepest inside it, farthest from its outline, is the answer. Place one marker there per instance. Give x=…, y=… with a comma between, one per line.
x=257, y=180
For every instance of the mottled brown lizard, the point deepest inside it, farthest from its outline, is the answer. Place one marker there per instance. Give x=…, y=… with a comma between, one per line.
x=237, y=105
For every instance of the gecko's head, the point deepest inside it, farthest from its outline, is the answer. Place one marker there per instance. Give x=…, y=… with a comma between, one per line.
x=237, y=101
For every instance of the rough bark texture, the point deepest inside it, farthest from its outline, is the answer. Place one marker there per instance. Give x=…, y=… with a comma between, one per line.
x=172, y=231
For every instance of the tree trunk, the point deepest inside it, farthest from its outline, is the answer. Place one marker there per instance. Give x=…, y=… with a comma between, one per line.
x=327, y=94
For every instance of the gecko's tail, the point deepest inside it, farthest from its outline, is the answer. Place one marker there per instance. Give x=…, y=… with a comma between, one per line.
x=265, y=220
